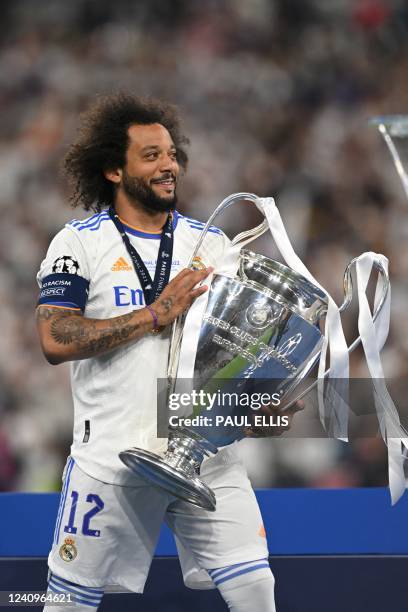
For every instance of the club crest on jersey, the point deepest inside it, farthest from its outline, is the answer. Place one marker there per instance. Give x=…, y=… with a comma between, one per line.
x=68, y=550
x=65, y=264
x=198, y=264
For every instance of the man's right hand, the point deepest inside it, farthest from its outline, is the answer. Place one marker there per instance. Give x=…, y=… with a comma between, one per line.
x=179, y=294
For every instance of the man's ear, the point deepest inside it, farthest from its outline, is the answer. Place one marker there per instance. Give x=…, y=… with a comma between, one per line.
x=115, y=176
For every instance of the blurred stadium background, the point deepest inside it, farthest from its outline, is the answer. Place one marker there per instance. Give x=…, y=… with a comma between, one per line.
x=276, y=97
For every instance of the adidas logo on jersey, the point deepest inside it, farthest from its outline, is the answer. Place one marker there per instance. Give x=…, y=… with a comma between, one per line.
x=121, y=265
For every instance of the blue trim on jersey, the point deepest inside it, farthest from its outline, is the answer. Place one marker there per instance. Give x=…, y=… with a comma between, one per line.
x=63, y=500
x=60, y=506
x=92, y=223
x=96, y=224
x=195, y=221
x=77, y=222
x=135, y=232
x=92, y=590
x=140, y=234
x=94, y=219
x=246, y=570
x=75, y=599
x=94, y=229
x=95, y=599
x=199, y=225
x=77, y=589
x=214, y=573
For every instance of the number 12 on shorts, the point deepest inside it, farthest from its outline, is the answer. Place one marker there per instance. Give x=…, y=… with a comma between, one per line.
x=86, y=522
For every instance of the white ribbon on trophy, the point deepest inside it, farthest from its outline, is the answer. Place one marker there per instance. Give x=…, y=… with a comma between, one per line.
x=333, y=405
x=373, y=337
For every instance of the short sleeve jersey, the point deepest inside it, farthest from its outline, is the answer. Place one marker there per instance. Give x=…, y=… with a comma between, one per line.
x=115, y=394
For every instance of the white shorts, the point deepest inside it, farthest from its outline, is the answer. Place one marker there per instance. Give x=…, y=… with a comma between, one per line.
x=105, y=534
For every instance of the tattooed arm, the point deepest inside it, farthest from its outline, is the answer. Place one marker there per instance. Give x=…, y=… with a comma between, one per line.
x=66, y=335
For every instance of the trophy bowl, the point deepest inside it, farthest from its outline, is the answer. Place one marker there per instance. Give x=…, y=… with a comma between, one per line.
x=263, y=324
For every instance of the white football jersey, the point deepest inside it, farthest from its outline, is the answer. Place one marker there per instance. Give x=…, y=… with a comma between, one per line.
x=115, y=394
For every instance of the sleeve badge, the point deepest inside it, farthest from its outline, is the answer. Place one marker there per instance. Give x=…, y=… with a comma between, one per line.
x=65, y=264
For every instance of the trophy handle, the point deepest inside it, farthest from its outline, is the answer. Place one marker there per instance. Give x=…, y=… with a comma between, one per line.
x=348, y=296
x=389, y=126
x=241, y=239
x=348, y=290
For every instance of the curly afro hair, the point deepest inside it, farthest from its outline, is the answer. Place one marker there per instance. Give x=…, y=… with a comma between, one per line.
x=103, y=141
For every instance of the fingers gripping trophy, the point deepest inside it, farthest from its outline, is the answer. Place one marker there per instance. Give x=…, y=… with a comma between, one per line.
x=261, y=319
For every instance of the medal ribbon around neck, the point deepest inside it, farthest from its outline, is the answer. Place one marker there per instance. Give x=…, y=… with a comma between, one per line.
x=151, y=288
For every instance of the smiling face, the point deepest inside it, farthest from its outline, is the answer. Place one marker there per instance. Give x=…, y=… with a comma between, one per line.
x=150, y=175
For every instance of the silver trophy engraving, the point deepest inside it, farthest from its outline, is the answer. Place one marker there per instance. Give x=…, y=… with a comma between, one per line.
x=262, y=324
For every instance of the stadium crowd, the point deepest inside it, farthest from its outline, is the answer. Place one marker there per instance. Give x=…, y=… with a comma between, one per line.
x=276, y=97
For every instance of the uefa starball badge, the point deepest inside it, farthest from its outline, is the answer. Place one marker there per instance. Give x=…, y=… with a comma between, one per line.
x=261, y=320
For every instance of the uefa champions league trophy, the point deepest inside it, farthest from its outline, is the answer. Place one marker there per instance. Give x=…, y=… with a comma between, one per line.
x=394, y=129
x=262, y=323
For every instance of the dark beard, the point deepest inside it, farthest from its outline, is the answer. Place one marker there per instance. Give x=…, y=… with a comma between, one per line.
x=136, y=189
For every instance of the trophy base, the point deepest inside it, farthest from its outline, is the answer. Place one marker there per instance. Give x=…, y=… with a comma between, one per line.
x=158, y=472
